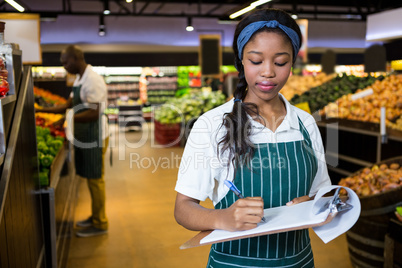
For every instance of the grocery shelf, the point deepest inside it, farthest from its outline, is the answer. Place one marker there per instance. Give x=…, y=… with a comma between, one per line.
x=350, y=159
x=364, y=128
x=351, y=145
x=7, y=99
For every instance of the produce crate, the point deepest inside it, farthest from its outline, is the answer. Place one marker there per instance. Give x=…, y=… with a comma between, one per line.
x=366, y=238
x=167, y=134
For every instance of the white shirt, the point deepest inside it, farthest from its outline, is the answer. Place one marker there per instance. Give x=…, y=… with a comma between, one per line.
x=202, y=172
x=93, y=90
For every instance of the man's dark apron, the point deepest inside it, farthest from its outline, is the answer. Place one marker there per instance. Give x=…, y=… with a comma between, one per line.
x=88, y=161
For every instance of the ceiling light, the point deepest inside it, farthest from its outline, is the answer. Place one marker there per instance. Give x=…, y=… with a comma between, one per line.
x=15, y=5
x=129, y=1
x=102, y=28
x=106, y=9
x=259, y=3
x=249, y=8
x=241, y=12
x=189, y=27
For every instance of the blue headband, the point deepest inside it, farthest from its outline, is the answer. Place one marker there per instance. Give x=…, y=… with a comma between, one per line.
x=250, y=29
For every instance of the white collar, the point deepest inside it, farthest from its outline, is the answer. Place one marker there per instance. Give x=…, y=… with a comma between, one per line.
x=84, y=75
x=290, y=121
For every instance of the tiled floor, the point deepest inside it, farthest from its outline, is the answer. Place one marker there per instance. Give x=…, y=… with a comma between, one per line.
x=140, y=201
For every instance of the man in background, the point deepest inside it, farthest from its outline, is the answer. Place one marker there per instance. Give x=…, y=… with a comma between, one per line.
x=88, y=100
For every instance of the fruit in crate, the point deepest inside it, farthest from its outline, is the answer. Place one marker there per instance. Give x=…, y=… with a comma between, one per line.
x=318, y=97
x=44, y=98
x=298, y=84
x=374, y=180
x=386, y=93
x=47, y=119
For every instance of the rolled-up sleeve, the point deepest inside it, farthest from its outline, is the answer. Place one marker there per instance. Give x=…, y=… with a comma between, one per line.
x=199, y=163
x=321, y=178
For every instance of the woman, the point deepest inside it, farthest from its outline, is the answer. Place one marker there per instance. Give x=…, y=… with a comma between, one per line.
x=271, y=150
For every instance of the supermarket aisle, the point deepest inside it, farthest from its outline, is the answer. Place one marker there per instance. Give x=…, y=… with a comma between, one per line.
x=140, y=202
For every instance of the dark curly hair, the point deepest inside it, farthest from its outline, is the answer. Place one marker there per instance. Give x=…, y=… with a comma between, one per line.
x=237, y=123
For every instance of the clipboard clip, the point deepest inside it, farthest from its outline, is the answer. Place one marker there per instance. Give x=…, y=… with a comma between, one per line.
x=335, y=204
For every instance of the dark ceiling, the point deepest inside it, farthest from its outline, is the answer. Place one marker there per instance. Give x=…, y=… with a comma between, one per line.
x=308, y=9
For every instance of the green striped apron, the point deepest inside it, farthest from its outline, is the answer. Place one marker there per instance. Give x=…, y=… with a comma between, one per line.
x=278, y=172
x=88, y=161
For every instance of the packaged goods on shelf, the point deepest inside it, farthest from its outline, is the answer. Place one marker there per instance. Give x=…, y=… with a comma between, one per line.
x=386, y=93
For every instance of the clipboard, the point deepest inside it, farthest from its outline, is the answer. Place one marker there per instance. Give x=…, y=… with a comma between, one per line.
x=196, y=240
x=327, y=216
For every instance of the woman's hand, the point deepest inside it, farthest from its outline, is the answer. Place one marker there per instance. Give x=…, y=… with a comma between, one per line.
x=298, y=200
x=244, y=214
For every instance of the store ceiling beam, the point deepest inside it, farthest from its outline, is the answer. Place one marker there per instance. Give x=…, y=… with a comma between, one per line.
x=359, y=10
x=209, y=12
x=159, y=7
x=143, y=8
x=221, y=9
x=122, y=7
x=320, y=16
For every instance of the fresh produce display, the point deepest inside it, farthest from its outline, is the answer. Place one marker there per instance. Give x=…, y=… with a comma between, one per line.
x=298, y=84
x=398, y=213
x=47, y=119
x=375, y=180
x=189, y=106
x=318, y=97
x=44, y=98
x=188, y=76
x=397, y=125
x=4, y=86
x=48, y=143
x=386, y=93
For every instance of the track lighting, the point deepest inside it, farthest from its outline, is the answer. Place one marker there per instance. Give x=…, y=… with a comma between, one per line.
x=102, y=28
x=106, y=9
x=249, y=8
x=189, y=27
x=15, y=5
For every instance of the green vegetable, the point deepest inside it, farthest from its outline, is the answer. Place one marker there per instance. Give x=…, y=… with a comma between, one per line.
x=43, y=179
x=42, y=147
x=188, y=107
x=56, y=144
x=319, y=96
x=399, y=210
x=46, y=160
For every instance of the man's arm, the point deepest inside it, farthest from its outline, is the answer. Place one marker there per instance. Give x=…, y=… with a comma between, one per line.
x=59, y=109
x=89, y=115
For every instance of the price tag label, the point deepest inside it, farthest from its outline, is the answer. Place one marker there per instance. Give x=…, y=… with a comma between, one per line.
x=304, y=106
x=362, y=94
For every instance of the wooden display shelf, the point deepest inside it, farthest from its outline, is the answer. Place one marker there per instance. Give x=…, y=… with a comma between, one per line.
x=351, y=145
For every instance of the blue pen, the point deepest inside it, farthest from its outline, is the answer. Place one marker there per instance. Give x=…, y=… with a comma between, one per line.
x=237, y=192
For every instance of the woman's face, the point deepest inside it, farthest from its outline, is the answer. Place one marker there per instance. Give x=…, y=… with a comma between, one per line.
x=267, y=61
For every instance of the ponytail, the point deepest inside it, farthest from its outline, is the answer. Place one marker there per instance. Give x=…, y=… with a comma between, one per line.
x=238, y=125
